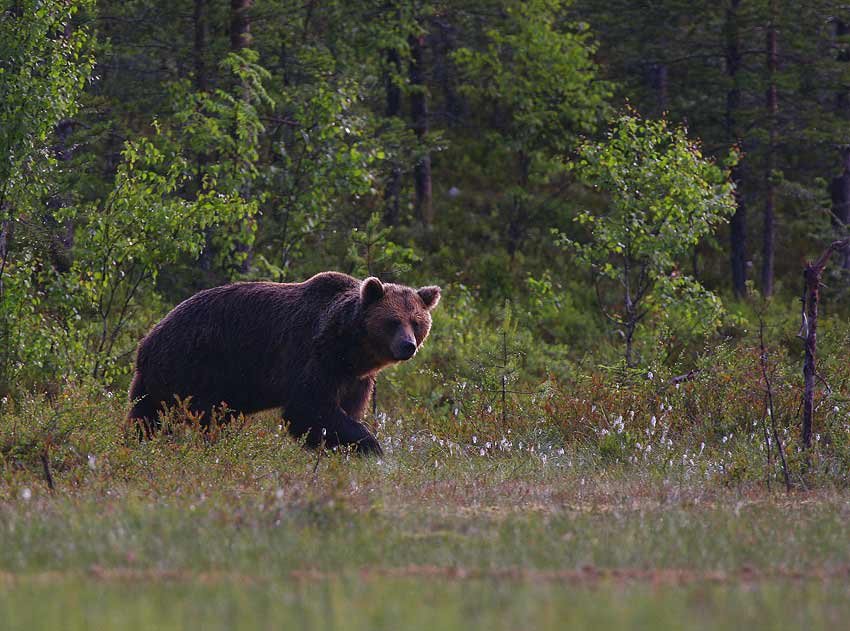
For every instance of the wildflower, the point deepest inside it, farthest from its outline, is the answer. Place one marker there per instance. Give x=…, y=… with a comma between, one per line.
x=26, y=494
x=92, y=462
x=652, y=421
x=474, y=439
x=481, y=452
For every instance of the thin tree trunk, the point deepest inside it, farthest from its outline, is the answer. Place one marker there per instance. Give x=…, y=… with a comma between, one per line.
x=199, y=49
x=660, y=79
x=444, y=46
x=808, y=331
x=842, y=98
x=738, y=223
x=419, y=114
x=62, y=240
x=811, y=277
x=240, y=24
x=768, y=247
x=840, y=186
x=240, y=37
x=392, y=193
x=5, y=345
x=840, y=193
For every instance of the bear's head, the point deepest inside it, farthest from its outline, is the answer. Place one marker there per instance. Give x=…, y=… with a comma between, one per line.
x=397, y=318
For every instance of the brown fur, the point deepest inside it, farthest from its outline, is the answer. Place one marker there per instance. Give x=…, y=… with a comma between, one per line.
x=312, y=349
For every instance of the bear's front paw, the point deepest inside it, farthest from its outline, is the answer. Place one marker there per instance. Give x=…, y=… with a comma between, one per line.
x=368, y=446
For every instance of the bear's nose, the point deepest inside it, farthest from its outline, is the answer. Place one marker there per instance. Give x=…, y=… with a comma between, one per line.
x=405, y=350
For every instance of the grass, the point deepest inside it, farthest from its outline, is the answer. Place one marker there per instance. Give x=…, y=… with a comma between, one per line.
x=250, y=531
x=348, y=602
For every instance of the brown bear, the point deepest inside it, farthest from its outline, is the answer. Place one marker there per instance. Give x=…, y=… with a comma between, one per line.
x=312, y=349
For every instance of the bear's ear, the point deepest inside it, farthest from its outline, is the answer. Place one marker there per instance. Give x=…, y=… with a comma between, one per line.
x=372, y=290
x=430, y=296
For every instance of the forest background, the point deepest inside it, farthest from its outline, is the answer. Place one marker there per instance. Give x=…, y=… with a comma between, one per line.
x=619, y=193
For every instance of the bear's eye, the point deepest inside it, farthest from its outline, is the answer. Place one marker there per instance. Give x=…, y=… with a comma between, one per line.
x=416, y=324
x=392, y=323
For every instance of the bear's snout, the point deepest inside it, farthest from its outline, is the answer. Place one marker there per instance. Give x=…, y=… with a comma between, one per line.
x=405, y=349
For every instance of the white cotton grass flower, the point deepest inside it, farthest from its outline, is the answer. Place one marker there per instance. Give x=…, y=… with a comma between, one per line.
x=26, y=494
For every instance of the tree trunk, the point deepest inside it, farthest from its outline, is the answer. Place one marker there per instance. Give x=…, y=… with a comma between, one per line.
x=840, y=186
x=419, y=115
x=808, y=331
x=199, y=48
x=661, y=82
x=240, y=24
x=811, y=277
x=199, y=18
x=839, y=191
x=842, y=102
x=62, y=236
x=62, y=240
x=738, y=223
x=392, y=193
x=5, y=345
x=768, y=246
x=240, y=37
x=444, y=46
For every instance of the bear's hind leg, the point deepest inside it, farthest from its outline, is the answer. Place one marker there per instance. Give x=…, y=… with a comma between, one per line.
x=144, y=413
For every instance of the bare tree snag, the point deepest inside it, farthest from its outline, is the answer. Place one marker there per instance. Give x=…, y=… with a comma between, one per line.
x=808, y=331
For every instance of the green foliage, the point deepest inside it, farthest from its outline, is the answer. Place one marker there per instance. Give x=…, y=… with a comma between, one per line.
x=323, y=155
x=372, y=253
x=44, y=64
x=141, y=226
x=536, y=72
x=663, y=196
x=534, y=89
